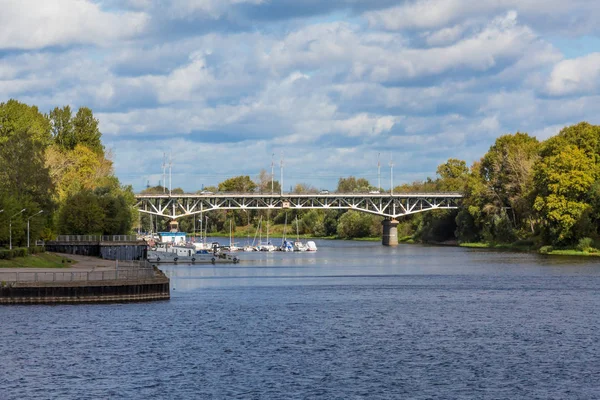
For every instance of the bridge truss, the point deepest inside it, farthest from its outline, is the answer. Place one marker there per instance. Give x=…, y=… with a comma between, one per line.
x=386, y=205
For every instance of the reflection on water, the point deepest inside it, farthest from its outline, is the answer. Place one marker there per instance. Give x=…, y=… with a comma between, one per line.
x=354, y=320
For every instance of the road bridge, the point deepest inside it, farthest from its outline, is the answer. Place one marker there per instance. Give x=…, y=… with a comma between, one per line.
x=389, y=206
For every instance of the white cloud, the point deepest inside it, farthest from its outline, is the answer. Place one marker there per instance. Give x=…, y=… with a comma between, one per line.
x=388, y=57
x=32, y=24
x=445, y=36
x=572, y=17
x=575, y=76
x=214, y=9
x=320, y=92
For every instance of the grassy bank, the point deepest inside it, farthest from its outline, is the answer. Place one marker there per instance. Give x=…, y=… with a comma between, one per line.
x=529, y=247
x=41, y=260
x=573, y=253
x=499, y=246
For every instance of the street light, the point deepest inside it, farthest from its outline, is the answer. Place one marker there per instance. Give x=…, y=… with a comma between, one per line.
x=10, y=228
x=281, y=167
x=272, y=176
x=37, y=213
x=378, y=173
x=391, y=175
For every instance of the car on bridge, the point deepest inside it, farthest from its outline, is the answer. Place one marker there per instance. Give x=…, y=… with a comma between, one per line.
x=324, y=192
x=206, y=192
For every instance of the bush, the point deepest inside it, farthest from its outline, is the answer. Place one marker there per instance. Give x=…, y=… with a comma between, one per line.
x=37, y=249
x=546, y=249
x=20, y=252
x=585, y=244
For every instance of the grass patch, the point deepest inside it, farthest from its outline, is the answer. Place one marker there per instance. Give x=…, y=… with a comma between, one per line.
x=41, y=260
x=516, y=246
x=572, y=253
x=406, y=239
x=476, y=245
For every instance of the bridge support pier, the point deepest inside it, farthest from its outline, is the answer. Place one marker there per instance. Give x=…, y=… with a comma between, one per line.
x=390, y=232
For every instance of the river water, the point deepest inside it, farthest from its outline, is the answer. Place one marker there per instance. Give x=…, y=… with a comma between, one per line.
x=354, y=320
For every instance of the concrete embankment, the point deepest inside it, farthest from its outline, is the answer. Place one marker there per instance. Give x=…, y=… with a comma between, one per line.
x=91, y=280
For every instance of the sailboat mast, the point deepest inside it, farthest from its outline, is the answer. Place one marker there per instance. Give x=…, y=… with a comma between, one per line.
x=284, y=228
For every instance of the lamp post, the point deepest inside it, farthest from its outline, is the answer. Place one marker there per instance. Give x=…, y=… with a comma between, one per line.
x=272, y=176
x=10, y=228
x=37, y=213
x=391, y=175
x=281, y=172
x=378, y=173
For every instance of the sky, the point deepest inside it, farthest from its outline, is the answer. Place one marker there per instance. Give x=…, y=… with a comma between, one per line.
x=329, y=88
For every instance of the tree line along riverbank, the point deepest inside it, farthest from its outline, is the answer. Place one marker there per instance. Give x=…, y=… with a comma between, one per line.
x=56, y=174
x=523, y=194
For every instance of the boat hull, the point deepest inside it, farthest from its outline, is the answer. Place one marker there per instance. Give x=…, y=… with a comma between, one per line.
x=172, y=258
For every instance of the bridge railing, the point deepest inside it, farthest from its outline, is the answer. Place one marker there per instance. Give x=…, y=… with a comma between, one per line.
x=96, y=238
x=291, y=194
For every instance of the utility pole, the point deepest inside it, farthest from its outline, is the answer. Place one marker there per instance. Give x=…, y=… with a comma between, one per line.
x=378, y=173
x=39, y=212
x=272, y=171
x=170, y=175
x=391, y=175
x=164, y=167
x=281, y=167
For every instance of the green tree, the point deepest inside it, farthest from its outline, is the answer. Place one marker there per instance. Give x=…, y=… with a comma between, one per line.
x=353, y=185
x=61, y=120
x=240, y=184
x=24, y=137
x=354, y=224
x=86, y=130
x=303, y=188
x=82, y=214
x=18, y=118
x=507, y=171
x=452, y=175
x=562, y=182
x=155, y=190
x=263, y=183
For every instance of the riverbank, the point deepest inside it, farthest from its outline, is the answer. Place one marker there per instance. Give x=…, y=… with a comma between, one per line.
x=276, y=232
x=526, y=247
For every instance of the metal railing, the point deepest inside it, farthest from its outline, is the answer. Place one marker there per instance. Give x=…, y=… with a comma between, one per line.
x=96, y=238
x=129, y=270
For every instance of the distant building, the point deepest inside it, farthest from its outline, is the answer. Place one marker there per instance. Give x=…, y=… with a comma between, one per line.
x=172, y=237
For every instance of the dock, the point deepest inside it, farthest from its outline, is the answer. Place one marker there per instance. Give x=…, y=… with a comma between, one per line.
x=91, y=280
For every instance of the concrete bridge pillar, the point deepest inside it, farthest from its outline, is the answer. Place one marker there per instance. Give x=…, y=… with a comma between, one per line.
x=390, y=232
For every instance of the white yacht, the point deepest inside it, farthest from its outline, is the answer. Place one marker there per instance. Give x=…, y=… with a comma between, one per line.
x=311, y=246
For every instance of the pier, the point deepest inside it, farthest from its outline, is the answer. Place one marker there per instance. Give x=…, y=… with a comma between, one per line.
x=91, y=280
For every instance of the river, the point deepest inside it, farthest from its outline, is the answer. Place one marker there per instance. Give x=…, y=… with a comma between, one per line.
x=353, y=320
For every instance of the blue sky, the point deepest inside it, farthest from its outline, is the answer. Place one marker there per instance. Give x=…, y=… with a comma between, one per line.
x=328, y=86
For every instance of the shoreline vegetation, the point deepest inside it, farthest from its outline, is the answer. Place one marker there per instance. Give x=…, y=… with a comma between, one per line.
x=523, y=194
x=241, y=233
